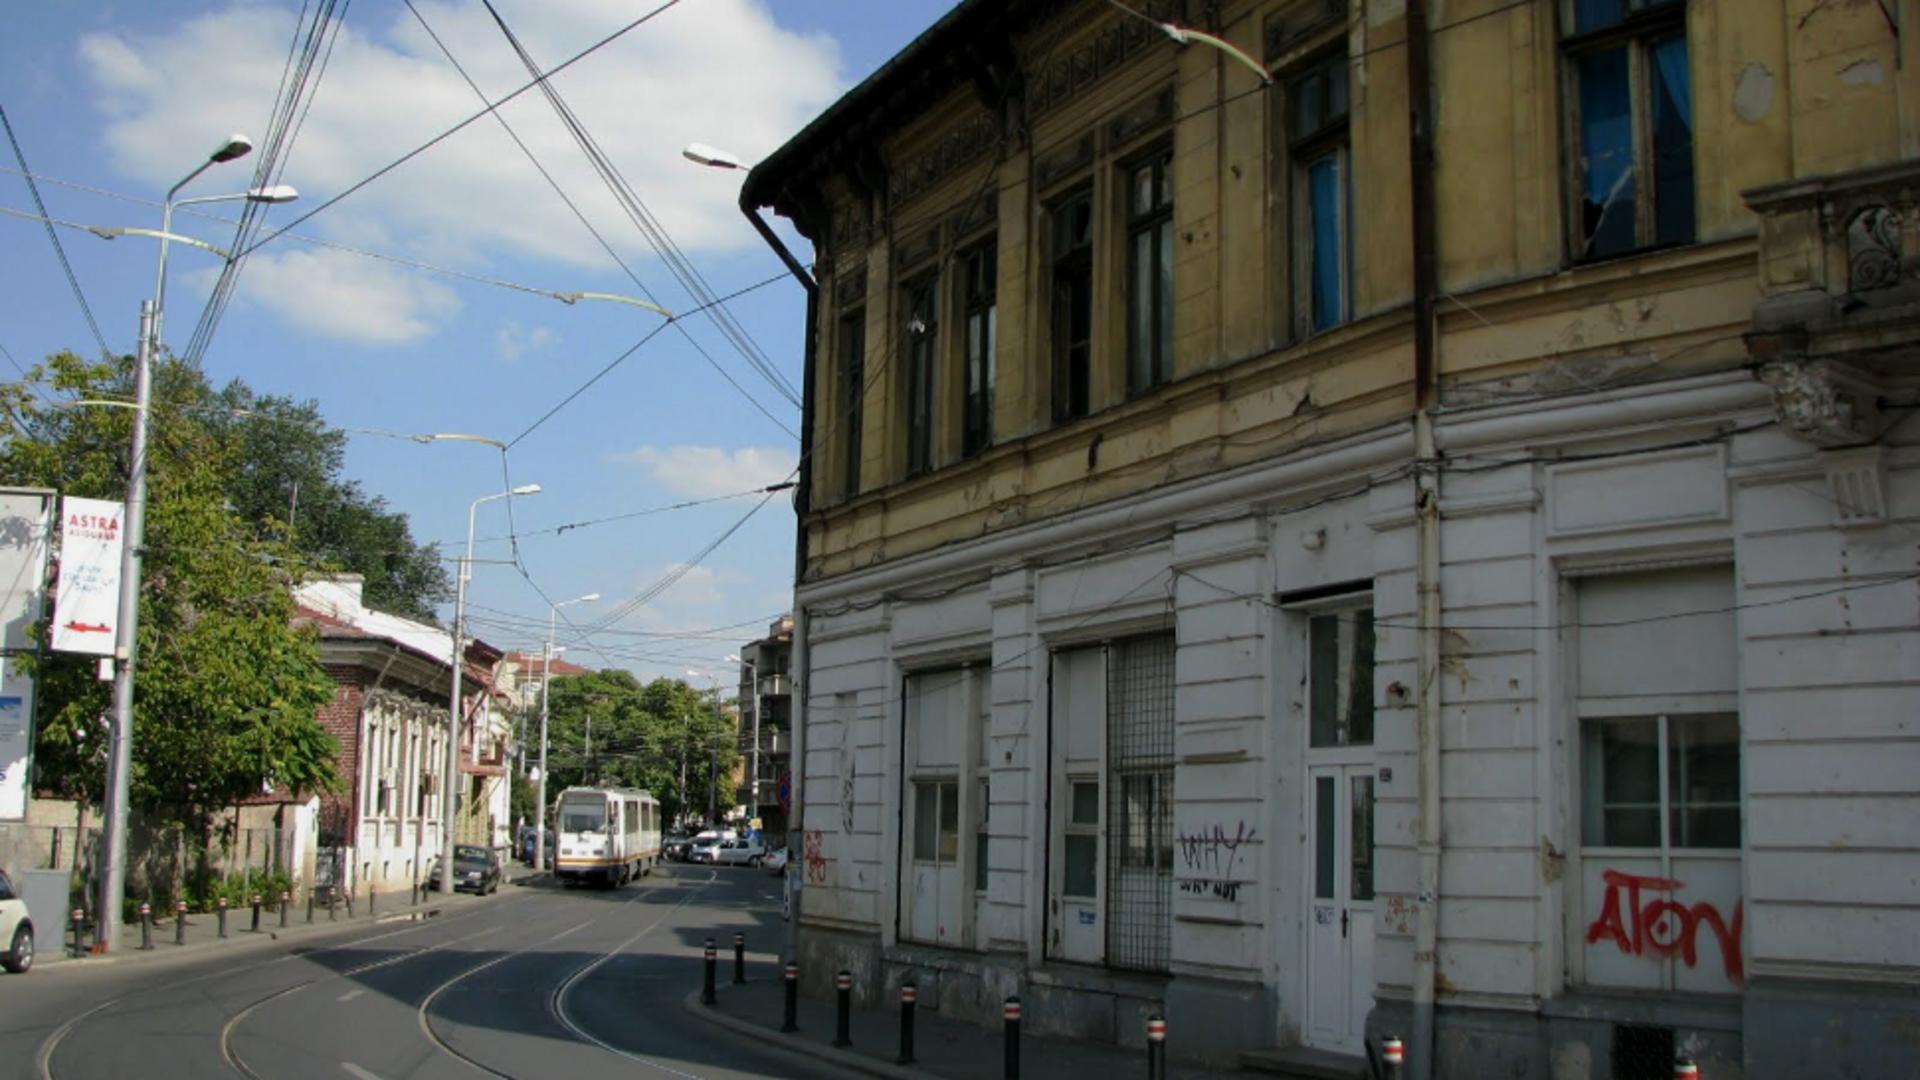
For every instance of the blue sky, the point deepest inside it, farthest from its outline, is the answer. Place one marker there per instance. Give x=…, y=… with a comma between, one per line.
x=123, y=99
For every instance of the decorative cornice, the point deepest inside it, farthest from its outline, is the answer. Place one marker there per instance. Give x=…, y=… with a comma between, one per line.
x=1066, y=76
x=962, y=145
x=1289, y=30
x=1815, y=401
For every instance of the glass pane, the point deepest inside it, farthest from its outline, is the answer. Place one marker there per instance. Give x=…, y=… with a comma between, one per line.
x=1595, y=14
x=1086, y=803
x=1143, y=195
x=1336, y=89
x=1323, y=231
x=1324, y=822
x=1360, y=682
x=985, y=800
x=1309, y=104
x=1360, y=858
x=1606, y=153
x=1672, y=112
x=949, y=822
x=926, y=822
x=1621, y=769
x=1072, y=225
x=1323, y=680
x=1703, y=781
x=1081, y=876
x=1163, y=264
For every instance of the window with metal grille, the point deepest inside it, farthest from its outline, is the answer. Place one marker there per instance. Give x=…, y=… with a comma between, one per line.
x=1140, y=803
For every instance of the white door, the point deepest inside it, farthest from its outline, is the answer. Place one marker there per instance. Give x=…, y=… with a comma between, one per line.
x=1079, y=806
x=1340, y=905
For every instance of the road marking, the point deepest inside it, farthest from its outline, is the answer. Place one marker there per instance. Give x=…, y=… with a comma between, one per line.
x=356, y=1071
x=350, y=995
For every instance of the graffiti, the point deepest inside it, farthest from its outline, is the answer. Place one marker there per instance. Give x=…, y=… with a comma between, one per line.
x=1660, y=926
x=846, y=797
x=816, y=858
x=1214, y=855
x=1220, y=890
x=1398, y=915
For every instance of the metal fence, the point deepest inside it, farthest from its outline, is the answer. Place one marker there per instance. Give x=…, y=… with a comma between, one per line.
x=167, y=864
x=1140, y=802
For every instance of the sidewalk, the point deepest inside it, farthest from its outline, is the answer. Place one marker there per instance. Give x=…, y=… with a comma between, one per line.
x=945, y=1048
x=203, y=930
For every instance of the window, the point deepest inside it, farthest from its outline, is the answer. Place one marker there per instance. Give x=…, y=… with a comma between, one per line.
x=1082, y=849
x=979, y=267
x=922, y=342
x=1659, y=779
x=1340, y=677
x=1140, y=820
x=936, y=821
x=1150, y=274
x=1630, y=93
x=944, y=793
x=1072, y=232
x=853, y=385
x=1319, y=149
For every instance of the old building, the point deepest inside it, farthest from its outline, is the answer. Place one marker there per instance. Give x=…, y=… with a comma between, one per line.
x=1423, y=544
x=766, y=714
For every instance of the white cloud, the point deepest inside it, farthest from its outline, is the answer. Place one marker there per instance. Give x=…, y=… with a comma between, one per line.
x=514, y=340
x=720, y=71
x=338, y=295
x=704, y=471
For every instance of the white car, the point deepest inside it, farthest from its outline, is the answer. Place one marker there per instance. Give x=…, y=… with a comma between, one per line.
x=16, y=928
x=746, y=851
x=776, y=862
x=701, y=848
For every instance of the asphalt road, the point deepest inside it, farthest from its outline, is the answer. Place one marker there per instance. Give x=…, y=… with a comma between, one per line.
x=536, y=981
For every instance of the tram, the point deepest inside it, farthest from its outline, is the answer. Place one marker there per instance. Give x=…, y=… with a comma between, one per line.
x=608, y=836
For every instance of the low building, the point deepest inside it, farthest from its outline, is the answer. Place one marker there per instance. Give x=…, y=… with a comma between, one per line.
x=1423, y=544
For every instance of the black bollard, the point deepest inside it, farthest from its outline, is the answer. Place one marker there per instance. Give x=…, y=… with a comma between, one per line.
x=309, y=907
x=791, y=1021
x=843, y=1020
x=371, y=898
x=256, y=913
x=1156, y=1048
x=706, y=983
x=414, y=896
x=179, y=922
x=223, y=916
x=333, y=905
x=1010, y=1012
x=349, y=901
x=146, y=928
x=78, y=918
x=908, y=996
x=1394, y=1053
x=739, y=959
x=286, y=901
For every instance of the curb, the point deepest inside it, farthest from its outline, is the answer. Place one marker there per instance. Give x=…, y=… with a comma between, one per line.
x=240, y=942
x=796, y=1046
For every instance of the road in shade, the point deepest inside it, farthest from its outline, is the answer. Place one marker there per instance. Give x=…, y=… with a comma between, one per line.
x=537, y=981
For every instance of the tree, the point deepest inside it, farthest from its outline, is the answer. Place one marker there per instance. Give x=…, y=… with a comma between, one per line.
x=643, y=736
x=226, y=692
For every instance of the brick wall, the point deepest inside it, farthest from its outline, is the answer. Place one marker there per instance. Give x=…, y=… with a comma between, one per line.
x=341, y=717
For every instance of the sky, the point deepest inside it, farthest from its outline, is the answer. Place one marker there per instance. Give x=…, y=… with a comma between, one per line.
x=112, y=103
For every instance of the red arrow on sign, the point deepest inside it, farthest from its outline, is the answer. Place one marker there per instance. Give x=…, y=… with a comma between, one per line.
x=88, y=628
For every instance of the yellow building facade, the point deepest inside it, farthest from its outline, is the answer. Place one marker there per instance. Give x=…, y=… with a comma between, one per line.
x=1266, y=463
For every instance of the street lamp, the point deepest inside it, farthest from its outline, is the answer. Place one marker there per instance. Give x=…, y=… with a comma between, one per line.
x=546, y=681
x=702, y=154
x=450, y=797
x=753, y=779
x=120, y=753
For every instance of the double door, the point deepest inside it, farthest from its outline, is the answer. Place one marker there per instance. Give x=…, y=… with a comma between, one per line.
x=1340, y=866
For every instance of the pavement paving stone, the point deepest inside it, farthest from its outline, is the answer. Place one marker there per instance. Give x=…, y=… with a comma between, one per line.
x=945, y=1048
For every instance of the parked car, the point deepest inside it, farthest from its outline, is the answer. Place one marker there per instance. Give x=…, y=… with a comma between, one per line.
x=740, y=851
x=475, y=869
x=16, y=928
x=701, y=848
x=675, y=845
x=776, y=862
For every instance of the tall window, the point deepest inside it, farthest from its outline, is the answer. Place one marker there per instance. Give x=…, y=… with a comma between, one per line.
x=1632, y=124
x=1656, y=694
x=1150, y=274
x=1072, y=233
x=853, y=385
x=922, y=342
x=1340, y=677
x=1320, y=150
x=979, y=266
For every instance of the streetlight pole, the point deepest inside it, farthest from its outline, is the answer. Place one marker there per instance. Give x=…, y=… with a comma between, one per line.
x=546, y=682
x=120, y=750
x=753, y=779
x=449, y=799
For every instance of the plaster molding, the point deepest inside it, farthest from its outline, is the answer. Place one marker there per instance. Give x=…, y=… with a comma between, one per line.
x=1816, y=401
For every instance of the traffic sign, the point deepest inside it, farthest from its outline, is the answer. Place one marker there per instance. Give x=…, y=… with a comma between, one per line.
x=784, y=796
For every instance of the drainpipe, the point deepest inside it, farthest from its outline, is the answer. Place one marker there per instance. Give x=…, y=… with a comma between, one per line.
x=802, y=502
x=1427, y=523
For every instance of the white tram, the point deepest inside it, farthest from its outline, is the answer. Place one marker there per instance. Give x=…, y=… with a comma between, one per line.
x=605, y=835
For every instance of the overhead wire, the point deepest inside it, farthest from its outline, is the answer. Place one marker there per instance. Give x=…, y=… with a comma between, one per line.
x=59, y=250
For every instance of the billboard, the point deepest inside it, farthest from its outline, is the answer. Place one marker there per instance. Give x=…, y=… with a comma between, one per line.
x=86, y=606
x=25, y=526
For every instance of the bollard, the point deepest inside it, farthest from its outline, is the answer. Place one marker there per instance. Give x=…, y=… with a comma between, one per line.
x=791, y=1021
x=333, y=905
x=146, y=927
x=349, y=901
x=309, y=906
x=223, y=916
x=1156, y=1048
x=78, y=919
x=908, y=996
x=706, y=983
x=1011, y=1013
x=179, y=922
x=739, y=959
x=1394, y=1054
x=843, y=1021
x=371, y=898
x=286, y=901
x=1685, y=1070
x=256, y=914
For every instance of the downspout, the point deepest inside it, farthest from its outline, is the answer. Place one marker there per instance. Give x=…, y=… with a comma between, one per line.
x=1420, y=1056
x=802, y=503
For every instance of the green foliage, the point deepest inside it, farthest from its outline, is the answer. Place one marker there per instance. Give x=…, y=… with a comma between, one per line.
x=643, y=736
x=226, y=691
x=239, y=887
